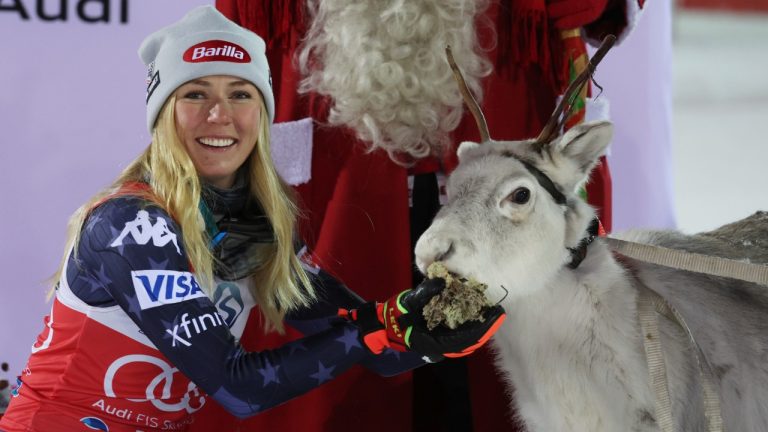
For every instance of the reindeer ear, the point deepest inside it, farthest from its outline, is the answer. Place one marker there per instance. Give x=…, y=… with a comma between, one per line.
x=585, y=143
x=465, y=147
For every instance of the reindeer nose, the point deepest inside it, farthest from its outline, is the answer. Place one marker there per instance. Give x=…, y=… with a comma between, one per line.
x=431, y=248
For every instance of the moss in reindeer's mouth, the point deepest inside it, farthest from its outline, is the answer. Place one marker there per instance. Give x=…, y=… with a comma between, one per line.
x=462, y=300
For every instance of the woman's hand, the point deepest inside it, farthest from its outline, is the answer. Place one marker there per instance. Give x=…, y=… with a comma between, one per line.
x=399, y=324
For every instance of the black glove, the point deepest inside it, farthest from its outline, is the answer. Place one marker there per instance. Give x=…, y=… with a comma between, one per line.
x=442, y=341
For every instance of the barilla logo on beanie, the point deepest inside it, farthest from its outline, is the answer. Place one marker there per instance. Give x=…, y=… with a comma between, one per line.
x=216, y=50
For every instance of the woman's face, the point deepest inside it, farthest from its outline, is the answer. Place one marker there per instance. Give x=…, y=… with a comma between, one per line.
x=217, y=118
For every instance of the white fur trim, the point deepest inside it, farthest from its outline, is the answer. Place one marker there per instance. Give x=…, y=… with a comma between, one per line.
x=292, y=150
x=598, y=110
x=633, y=16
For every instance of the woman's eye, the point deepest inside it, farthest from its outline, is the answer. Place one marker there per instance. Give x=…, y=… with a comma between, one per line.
x=194, y=95
x=520, y=195
x=241, y=95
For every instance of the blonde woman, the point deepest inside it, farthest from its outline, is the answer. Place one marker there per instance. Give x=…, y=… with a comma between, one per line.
x=163, y=268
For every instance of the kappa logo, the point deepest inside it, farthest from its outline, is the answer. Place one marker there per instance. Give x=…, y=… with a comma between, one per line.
x=142, y=230
x=216, y=50
x=158, y=287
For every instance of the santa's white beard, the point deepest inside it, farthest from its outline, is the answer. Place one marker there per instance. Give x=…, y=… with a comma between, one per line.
x=383, y=64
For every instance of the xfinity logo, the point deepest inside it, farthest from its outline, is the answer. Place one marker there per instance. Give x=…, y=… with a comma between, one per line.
x=159, y=287
x=216, y=50
x=186, y=328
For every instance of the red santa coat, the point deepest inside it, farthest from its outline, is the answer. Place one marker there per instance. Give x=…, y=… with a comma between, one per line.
x=357, y=214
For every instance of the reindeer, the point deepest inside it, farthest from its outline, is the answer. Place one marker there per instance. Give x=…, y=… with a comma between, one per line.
x=571, y=347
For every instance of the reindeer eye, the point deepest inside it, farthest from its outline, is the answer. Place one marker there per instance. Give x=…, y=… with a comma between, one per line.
x=520, y=195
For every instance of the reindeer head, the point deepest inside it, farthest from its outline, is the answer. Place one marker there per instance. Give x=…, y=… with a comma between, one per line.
x=512, y=212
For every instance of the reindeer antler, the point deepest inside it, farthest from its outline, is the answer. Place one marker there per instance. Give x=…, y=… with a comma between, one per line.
x=555, y=123
x=469, y=100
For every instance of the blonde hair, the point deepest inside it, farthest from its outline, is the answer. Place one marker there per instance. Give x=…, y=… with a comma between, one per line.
x=281, y=284
x=384, y=65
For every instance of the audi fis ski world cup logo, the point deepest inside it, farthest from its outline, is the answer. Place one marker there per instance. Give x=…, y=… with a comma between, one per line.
x=158, y=287
x=216, y=50
x=161, y=390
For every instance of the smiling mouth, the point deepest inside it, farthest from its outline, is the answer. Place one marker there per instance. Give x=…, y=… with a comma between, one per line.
x=217, y=142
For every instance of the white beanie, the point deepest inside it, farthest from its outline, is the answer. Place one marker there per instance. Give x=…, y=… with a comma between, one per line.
x=203, y=43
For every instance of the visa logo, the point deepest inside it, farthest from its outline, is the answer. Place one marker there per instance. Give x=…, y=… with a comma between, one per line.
x=158, y=287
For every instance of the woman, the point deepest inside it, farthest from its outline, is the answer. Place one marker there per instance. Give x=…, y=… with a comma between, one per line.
x=163, y=268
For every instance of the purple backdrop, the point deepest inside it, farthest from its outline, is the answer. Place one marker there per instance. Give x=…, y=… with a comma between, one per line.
x=72, y=116
x=637, y=78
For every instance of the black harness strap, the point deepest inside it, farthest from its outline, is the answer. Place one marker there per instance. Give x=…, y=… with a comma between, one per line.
x=579, y=252
x=545, y=182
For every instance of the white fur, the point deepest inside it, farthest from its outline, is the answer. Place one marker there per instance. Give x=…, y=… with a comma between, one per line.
x=383, y=63
x=632, y=13
x=571, y=345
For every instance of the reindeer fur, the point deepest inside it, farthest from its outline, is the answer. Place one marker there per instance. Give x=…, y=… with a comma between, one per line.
x=571, y=347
